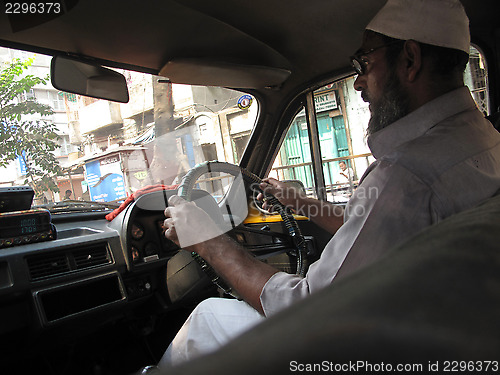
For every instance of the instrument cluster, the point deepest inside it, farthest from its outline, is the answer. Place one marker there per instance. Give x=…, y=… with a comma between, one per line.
x=146, y=238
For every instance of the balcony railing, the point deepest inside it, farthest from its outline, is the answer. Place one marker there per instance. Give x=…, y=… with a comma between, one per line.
x=336, y=191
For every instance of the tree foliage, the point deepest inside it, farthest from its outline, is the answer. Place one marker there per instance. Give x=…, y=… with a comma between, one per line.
x=23, y=136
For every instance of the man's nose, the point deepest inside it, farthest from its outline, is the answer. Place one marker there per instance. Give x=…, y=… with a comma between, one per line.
x=359, y=83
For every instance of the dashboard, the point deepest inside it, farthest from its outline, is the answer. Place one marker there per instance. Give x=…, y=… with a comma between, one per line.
x=55, y=280
x=96, y=270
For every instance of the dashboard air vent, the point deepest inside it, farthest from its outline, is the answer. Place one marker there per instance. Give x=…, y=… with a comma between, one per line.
x=91, y=256
x=51, y=264
x=47, y=265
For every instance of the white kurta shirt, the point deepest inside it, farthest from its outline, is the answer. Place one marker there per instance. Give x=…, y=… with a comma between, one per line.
x=441, y=159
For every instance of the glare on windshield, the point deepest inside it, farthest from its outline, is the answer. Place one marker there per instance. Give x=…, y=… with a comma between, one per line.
x=74, y=148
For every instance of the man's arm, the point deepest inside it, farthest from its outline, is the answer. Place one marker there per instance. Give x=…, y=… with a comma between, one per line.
x=195, y=231
x=325, y=214
x=185, y=223
x=243, y=272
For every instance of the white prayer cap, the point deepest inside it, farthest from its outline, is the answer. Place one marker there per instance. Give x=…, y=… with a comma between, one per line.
x=442, y=23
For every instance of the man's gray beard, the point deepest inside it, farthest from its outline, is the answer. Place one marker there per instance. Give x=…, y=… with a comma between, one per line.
x=393, y=105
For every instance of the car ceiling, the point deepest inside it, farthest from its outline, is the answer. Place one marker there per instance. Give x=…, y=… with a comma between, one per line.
x=310, y=39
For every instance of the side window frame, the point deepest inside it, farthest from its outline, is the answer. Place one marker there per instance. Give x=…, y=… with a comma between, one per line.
x=314, y=142
x=323, y=170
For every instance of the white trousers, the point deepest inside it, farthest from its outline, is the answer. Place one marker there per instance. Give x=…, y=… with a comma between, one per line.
x=213, y=323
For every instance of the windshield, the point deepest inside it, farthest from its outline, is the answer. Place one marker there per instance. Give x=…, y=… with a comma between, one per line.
x=71, y=148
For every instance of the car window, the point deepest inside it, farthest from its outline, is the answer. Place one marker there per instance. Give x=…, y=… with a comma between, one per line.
x=105, y=151
x=476, y=78
x=341, y=121
x=341, y=118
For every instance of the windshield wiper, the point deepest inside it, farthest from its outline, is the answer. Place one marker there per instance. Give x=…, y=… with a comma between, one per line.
x=78, y=206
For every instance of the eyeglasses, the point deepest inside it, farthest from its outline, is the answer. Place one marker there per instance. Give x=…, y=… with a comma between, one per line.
x=359, y=60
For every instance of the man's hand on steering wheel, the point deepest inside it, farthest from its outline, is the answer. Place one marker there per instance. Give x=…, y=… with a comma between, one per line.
x=188, y=225
x=288, y=195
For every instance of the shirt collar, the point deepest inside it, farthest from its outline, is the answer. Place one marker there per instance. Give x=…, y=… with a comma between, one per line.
x=420, y=121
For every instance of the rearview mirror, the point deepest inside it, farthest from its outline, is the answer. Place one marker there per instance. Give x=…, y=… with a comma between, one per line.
x=87, y=79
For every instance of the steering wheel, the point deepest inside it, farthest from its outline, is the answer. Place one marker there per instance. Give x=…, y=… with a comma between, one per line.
x=185, y=191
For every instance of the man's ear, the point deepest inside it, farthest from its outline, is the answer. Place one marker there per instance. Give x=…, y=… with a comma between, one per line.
x=412, y=60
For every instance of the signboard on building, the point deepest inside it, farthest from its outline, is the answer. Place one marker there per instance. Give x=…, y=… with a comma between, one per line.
x=22, y=164
x=325, y=101
x=105, y=179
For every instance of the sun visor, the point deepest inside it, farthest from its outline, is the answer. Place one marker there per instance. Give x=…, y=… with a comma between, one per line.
x=224, y=74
